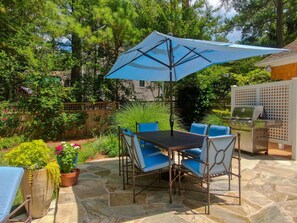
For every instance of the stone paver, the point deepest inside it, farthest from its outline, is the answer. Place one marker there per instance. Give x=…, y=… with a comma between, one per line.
x=269, y=194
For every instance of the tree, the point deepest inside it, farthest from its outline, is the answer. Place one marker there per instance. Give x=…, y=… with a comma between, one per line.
x=25, y=47
x=264, y=22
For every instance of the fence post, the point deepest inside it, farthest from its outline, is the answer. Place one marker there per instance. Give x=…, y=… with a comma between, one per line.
x=294, y=118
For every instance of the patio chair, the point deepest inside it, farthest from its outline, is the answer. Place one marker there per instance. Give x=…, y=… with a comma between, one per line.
x=213, y=130
x=215, y=160
x=141, y=165
x=218, y=130
x=10, y=180
x=149, y=149
x=197, y=128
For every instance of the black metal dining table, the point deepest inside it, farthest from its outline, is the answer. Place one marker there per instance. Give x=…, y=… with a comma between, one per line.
x=179, y=141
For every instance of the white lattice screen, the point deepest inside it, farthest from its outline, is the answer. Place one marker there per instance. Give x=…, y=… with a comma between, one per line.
x=275, y=98
x=245, y=96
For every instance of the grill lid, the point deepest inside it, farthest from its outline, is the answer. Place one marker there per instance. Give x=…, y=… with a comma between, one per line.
x=248, y=112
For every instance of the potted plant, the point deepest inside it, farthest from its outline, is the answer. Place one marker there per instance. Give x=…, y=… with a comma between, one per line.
x=67, y=155
x=41, y=178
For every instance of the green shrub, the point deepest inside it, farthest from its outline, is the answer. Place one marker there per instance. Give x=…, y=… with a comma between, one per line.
x=133, y=112
x=105, y=144
x=10, y=142
x=213, y=119
x=222, y=113
x=3, y=162
x=110, y=145
x=216, y=118
x=34, y=155
x=9, y=119
x=29, y=155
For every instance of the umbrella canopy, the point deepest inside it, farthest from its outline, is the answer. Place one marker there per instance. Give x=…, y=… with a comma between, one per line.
x=161, y=57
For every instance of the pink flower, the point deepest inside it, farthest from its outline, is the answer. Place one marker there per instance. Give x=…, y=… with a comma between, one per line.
x=76, y=146
x=58, y=149
x=3, y=119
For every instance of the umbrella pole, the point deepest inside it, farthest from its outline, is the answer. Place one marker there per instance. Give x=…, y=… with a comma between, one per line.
x=171, y=120
x=171, y=106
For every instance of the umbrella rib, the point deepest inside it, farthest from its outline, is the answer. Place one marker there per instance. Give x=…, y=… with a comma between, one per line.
x=161, y=42
x=199, y=54
x=153, y=58
x=193, y=58
x=136, y=57
x=177, y=62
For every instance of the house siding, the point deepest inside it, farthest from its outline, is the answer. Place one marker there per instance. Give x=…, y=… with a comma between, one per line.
x=284, y=72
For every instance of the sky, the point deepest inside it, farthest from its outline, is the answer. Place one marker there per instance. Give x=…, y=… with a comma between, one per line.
x=235, y=35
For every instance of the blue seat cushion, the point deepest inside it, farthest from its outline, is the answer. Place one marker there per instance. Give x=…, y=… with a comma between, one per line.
x=193, y=165
x=150, y=150
x=156, y=162
x=144, y=144
x=195, y=152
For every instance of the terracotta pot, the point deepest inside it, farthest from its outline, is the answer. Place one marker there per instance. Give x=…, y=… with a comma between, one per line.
x=70, y=179
x=41, y=188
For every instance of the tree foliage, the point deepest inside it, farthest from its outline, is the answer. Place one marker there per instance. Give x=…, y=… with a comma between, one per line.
x=85, y=37
x=264, y=22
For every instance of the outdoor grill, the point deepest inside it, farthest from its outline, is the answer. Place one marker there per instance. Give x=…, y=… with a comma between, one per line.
x=251, y=123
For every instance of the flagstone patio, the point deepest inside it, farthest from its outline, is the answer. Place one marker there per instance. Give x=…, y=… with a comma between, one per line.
x=269, y=194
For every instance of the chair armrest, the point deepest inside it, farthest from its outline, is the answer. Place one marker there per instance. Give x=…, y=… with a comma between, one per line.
x=28, y=219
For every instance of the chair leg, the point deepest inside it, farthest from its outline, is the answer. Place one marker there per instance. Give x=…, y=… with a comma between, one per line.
x=159, y=177
x=179, y=180
x=133, y=182
x=239, y=181
x=229, y=181
x=120, y=161
x=208, y=195
x=127, y=169
x=120, y=152
x=123, y=174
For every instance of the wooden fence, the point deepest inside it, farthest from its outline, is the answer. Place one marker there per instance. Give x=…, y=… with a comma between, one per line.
x=97, y=117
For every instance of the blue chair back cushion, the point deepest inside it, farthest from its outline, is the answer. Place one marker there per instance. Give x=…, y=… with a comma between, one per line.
x=199, y=128
x=148, y=127
x=129, y=137
x=145, y=163
x=218, y=130
x=220, y=156
x=10, y=179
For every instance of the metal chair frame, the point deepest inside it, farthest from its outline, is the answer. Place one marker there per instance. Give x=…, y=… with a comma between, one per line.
x=131, y=165
x=206, y=176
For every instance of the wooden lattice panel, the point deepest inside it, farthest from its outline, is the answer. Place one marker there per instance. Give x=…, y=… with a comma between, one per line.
x=275, y=99
x=82, y=106
x=245, y=96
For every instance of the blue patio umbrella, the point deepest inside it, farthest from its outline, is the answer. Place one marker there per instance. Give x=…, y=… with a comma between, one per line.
x=161, y=57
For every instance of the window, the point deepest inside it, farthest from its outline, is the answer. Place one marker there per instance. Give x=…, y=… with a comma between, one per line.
x=141, y=83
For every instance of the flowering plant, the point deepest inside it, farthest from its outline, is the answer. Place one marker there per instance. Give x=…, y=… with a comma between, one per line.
x=67, y=156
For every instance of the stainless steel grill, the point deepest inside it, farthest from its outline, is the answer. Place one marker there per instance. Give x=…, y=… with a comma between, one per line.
x=253, y=126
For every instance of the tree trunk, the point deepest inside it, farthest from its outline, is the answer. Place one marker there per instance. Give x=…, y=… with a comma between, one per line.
x=279, y=23
x=76, y=54
x=186, y=3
